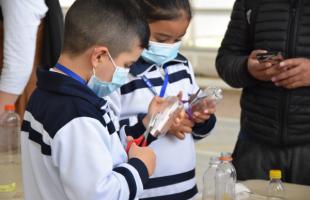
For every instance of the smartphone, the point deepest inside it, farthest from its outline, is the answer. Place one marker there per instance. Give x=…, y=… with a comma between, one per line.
x=275, y=57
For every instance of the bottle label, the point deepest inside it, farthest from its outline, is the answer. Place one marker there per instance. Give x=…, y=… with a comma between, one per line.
x=8, y=188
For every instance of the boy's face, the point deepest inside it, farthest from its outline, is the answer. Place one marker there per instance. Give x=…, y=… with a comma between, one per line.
x=169, y=31
x=105, y=68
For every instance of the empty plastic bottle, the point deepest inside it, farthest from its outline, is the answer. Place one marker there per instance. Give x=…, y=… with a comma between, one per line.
x=225, y=179
x=275, y=188
x=209, y=179
x=10, y=171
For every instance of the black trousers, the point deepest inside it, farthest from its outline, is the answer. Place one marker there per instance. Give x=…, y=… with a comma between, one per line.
x=253, y=160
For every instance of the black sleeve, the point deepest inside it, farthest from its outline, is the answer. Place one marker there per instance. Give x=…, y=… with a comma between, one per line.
x=53, y=33
x=138, y=129
x=202, y=130
x=135, y=130
x=231, y=61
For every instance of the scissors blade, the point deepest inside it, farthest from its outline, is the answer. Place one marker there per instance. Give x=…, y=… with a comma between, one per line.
x=193, y=98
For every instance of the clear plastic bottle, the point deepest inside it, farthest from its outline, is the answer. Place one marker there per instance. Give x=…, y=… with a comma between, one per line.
x=225, y=179
x=10, y=172
x=209, y=179
x=275, y=188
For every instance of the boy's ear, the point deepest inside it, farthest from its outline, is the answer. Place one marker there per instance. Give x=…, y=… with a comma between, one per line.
x=98, y=55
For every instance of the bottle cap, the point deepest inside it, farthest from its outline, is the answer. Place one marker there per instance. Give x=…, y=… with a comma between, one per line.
x=214, y=160
x=9, y=107
x=225, y=156
x=275, y=174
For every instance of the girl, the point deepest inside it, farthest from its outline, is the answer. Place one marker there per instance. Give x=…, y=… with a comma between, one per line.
x=163, y=71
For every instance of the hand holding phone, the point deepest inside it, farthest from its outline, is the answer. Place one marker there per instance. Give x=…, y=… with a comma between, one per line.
x=273, y=57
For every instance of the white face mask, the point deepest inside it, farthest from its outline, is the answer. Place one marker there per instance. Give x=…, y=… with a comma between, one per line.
x=160, y=53
x=102, y=88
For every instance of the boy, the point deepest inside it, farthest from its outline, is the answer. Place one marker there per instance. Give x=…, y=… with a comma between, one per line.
x=70, y=147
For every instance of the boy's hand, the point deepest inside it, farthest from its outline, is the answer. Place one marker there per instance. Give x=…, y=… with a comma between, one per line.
x=154, y=107
x=182, y=124
x=145, y=154
x=203, y=111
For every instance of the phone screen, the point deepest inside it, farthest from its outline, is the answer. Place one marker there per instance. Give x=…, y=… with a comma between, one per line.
x=273, y=57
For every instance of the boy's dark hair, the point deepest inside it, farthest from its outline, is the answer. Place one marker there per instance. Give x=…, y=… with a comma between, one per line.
x=115, y=24
x=155, y=10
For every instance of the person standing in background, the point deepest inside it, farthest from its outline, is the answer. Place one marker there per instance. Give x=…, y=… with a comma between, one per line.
x=275, y=101
x=21, y=20
x=32, y=35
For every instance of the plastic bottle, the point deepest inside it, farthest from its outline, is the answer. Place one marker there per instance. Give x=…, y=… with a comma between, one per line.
x=225, y=179
x=10, y=171
x=209, y=179
x=275, y=188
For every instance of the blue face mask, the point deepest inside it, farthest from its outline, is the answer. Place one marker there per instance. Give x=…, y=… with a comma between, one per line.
x=102, y=88
x=160, y=53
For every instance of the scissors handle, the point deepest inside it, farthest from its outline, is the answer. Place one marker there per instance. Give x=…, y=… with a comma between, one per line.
x=189, y=111
x=140, y=141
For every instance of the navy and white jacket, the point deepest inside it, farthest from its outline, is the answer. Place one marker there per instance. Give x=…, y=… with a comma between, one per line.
x=174, y=176
x=70, y=147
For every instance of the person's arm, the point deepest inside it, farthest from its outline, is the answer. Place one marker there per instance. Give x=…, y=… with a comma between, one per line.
x=232, y=58
x=20, y=20
x=205, y=122
x=82, y=151
x=134, y=125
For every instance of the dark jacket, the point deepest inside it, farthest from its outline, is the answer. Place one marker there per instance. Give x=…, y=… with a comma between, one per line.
x=53, y=33
x=269, y=114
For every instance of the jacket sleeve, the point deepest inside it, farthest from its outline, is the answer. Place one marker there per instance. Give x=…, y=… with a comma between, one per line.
x=231, y=61
x=202, y=130
x=82, y=151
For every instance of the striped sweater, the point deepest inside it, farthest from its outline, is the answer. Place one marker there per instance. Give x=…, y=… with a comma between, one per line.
x=174, y=176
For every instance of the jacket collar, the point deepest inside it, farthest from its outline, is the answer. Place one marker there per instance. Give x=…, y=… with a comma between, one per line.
x=62, y=84
x=142, y=66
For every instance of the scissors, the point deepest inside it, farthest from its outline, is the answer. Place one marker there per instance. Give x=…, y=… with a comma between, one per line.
x=193, y=99
x=142, y=140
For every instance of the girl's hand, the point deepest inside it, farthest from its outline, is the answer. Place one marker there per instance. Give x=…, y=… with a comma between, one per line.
x=203, y=111
x=182, y=125
x=154, y=107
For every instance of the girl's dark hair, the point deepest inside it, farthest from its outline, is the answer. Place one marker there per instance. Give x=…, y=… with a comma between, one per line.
x=155, y=10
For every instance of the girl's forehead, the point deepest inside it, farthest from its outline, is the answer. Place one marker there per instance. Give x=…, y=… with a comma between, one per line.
x=176, y=27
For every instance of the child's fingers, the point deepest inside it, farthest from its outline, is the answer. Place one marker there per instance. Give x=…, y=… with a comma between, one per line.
x=181, y=114
x=200, y=118
x=180, y=135
x=158, y=99
x=177, y=121
x=186, y=129
x=129, y=139
x=209, y=111
x=188, y=122
x=180, y=95
x=131, y=149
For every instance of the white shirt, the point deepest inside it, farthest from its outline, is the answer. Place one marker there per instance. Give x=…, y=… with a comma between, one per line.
x=21, y=19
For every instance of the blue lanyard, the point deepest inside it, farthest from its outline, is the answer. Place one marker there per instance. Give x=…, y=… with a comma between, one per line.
x=70, y=73
x=151, y=87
